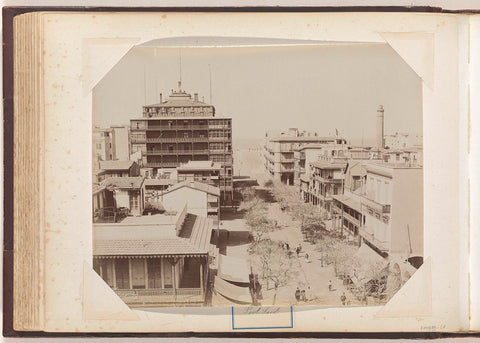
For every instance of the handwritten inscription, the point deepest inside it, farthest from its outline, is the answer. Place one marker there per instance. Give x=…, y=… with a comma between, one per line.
x=261, y=310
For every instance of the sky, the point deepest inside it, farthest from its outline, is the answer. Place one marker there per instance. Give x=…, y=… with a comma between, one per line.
x=315, y=87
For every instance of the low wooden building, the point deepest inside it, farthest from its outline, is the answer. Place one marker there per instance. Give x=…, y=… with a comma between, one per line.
x=157, y=260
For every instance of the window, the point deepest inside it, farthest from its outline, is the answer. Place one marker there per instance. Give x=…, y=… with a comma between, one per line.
x=138, y=273
x=121, y=274
x=154, y=266
x=134, y=202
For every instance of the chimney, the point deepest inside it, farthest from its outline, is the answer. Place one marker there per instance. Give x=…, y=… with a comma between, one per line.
x=380, y=127
x=161, y=98
x=195, y=96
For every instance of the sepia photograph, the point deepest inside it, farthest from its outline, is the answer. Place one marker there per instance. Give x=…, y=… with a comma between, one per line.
x=258, y=172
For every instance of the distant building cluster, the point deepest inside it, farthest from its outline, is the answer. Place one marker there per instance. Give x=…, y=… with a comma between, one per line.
x=373, y=195
x=158, y=186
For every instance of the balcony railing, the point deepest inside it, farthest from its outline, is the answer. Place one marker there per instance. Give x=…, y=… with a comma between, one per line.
x=177, y=127
x=175, y=152
x=220, y=151
x=219, y=139
x=179, y=139
x=380, y=245
x=162, y=164
x=327, y=179
x=377, y=207
x=215, y=126
x=159, y=296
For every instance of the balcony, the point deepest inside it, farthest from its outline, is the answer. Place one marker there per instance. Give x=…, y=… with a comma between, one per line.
x=161, y=296
x=327, y=179
x=214, y=126
x=370, y=238
x=219, y=139
x=176, y=127
x=162, y=164
x=138, y=140
x=178, y=139
x=176, y=152
x=377, y=207
x=220, y=151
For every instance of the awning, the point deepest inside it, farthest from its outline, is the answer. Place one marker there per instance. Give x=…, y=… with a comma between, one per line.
x=232, y=292
x=350, y=202
x=233, y=269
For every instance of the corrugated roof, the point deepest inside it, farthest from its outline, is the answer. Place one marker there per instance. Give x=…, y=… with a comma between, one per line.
x=195, y=185
x=197, y=243
x=116, y=165
x=202, y=233
x=129, y=182
x=173, y=246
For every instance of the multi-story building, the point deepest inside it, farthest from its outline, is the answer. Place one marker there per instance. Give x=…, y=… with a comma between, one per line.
x=182, y=129
x=399, y=141
x=303, y=155
x=279, y=152
x=411, y=156
x=120, y=142
x=118, y=169
x=201, y=171
x=111, y=143
x=325, y=176
x=392, y=204
x=103, y=144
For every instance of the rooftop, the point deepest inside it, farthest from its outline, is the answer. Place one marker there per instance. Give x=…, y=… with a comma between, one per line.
x=313, y=139
x=388, y=165
x=138, y=240
x=116, y=165
x=199, y=165
x=328, y=165
x=200, y=186
x=307, y=146
x=159, y=182
x=116, y=182
x=181, y=98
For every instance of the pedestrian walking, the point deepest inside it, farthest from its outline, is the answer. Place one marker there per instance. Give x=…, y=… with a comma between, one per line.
x=297, y=250
x=303, y=295
x=297, y=294
x=330, y=285
x=343, y=298
x=306, y=258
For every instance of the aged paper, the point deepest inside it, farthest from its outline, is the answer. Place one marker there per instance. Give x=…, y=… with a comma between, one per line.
x=68, y=121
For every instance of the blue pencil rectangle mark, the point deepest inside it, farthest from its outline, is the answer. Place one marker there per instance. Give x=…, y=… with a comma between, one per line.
x=262, y=327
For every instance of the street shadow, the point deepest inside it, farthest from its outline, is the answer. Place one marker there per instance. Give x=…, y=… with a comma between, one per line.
x=265, y=194
x=230, y=214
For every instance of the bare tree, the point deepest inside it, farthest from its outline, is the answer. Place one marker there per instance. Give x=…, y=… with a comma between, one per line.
x=276, y=265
